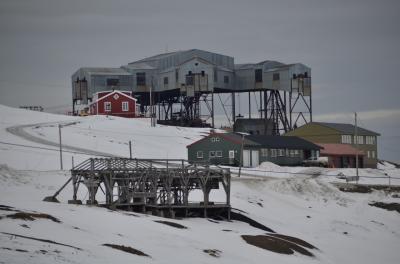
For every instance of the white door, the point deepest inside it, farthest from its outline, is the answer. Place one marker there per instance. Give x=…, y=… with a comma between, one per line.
x=246, y=158
x=254, y=158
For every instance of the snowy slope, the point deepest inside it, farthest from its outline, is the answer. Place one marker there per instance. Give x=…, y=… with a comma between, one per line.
x=343, y=226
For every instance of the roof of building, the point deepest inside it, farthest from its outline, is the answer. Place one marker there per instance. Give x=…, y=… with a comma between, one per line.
x=251, y=121
x=348, y=128
x=105, y=71
x=289, y=142
x=122, y=93
x=339, y=150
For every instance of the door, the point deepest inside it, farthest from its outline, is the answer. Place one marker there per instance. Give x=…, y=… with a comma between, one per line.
x=254, y=158
x=246, y=158
x=231, y=157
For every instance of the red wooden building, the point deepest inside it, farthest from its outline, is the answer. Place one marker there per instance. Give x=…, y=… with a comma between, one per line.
x=342, y=155
x=116, y=103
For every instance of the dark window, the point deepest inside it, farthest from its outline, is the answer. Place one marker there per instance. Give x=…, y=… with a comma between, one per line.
x=202, y=73
x=165, y=80
x=176, y=75
x=141, y=78
x=190, y=73
x=189, y=80
x=258, y=75
x=275, y=77
x=226, y=79
x=112, y=82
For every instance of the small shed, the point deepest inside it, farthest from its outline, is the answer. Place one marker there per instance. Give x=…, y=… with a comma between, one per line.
x=116, y=103
x=226, y=149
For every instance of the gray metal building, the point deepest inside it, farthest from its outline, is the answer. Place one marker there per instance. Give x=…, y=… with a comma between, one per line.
x=182, y=85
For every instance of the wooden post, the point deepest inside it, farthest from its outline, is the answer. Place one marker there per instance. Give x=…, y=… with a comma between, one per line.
x=130, y=149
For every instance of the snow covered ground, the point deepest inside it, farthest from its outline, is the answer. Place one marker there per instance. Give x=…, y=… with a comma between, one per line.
x=298, y=202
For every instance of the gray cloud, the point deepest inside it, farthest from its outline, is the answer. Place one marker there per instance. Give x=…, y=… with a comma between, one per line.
x=351, y=46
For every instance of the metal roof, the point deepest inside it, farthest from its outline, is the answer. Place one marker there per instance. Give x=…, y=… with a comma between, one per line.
x=348, y=129
x=289, y=142
x=339, y=150
x=105, y=71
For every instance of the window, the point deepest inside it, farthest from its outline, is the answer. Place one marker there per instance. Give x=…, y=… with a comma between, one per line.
x=215, y=139
x=287, y=153
x=125, y=106
x=141, y=78
x=264, y=152
x=360, y=140
x=218, y=153
x=370, y=140
x=373, y=154
x=107, y=106
x=176, y=76
x=296, y=153
x=212, y=154
x=231, y=154
x=281, y=152
x=112, y=82
x=258, y=75
x=368, y=155
x=346, y=139
x=165, y=80
x=226, y=79
x=291, y=154
x=199, y=154
x=275, y=77
x=273, y=153
x=189, y=79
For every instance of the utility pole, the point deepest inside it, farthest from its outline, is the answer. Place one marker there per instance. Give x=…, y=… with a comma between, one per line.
x=241, y=153
x=356, y=142
x=59, y=136
x=130, y=149
x=60, y=141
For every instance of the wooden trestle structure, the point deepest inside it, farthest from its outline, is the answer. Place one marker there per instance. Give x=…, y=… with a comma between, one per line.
x=157, y=186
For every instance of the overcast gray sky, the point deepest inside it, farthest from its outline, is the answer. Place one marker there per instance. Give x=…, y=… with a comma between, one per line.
x=352, y=47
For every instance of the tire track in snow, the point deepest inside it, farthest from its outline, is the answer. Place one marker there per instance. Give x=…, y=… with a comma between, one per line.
x=19, y=131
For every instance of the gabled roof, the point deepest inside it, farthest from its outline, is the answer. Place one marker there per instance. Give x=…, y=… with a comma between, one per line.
x=264, y=141
x=112, y=93
x=289, y=142
x=339, y=150
x=347, y=129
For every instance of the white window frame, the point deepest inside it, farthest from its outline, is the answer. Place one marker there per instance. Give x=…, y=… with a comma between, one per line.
x=125, y=106
x=373, y=154
x=370, y=140
x=107, y=106
x=231, y=154
x=218, y=153
x=368, y=154
x=359, y=140
x=199, y=154
x=296, y=153
x=264, y=152
x=346, y=139
x=281, y=152
x=211, y=154
x=273, y=153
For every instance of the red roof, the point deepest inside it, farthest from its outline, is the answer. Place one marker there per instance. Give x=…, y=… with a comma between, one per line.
x=339, y=149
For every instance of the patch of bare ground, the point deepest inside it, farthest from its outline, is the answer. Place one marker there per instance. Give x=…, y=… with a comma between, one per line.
x=387, y=206
x=41, y=240
x=366, y=188
x=173, y=224
x=127, y=249
x=251, y=222
x=32, y=216
x=276, y=244
x=213, y=252
x=6, y=208
x=294, y=240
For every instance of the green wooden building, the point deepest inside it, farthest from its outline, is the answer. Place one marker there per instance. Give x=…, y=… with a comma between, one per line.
x=337, y=133
x=225, y=149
